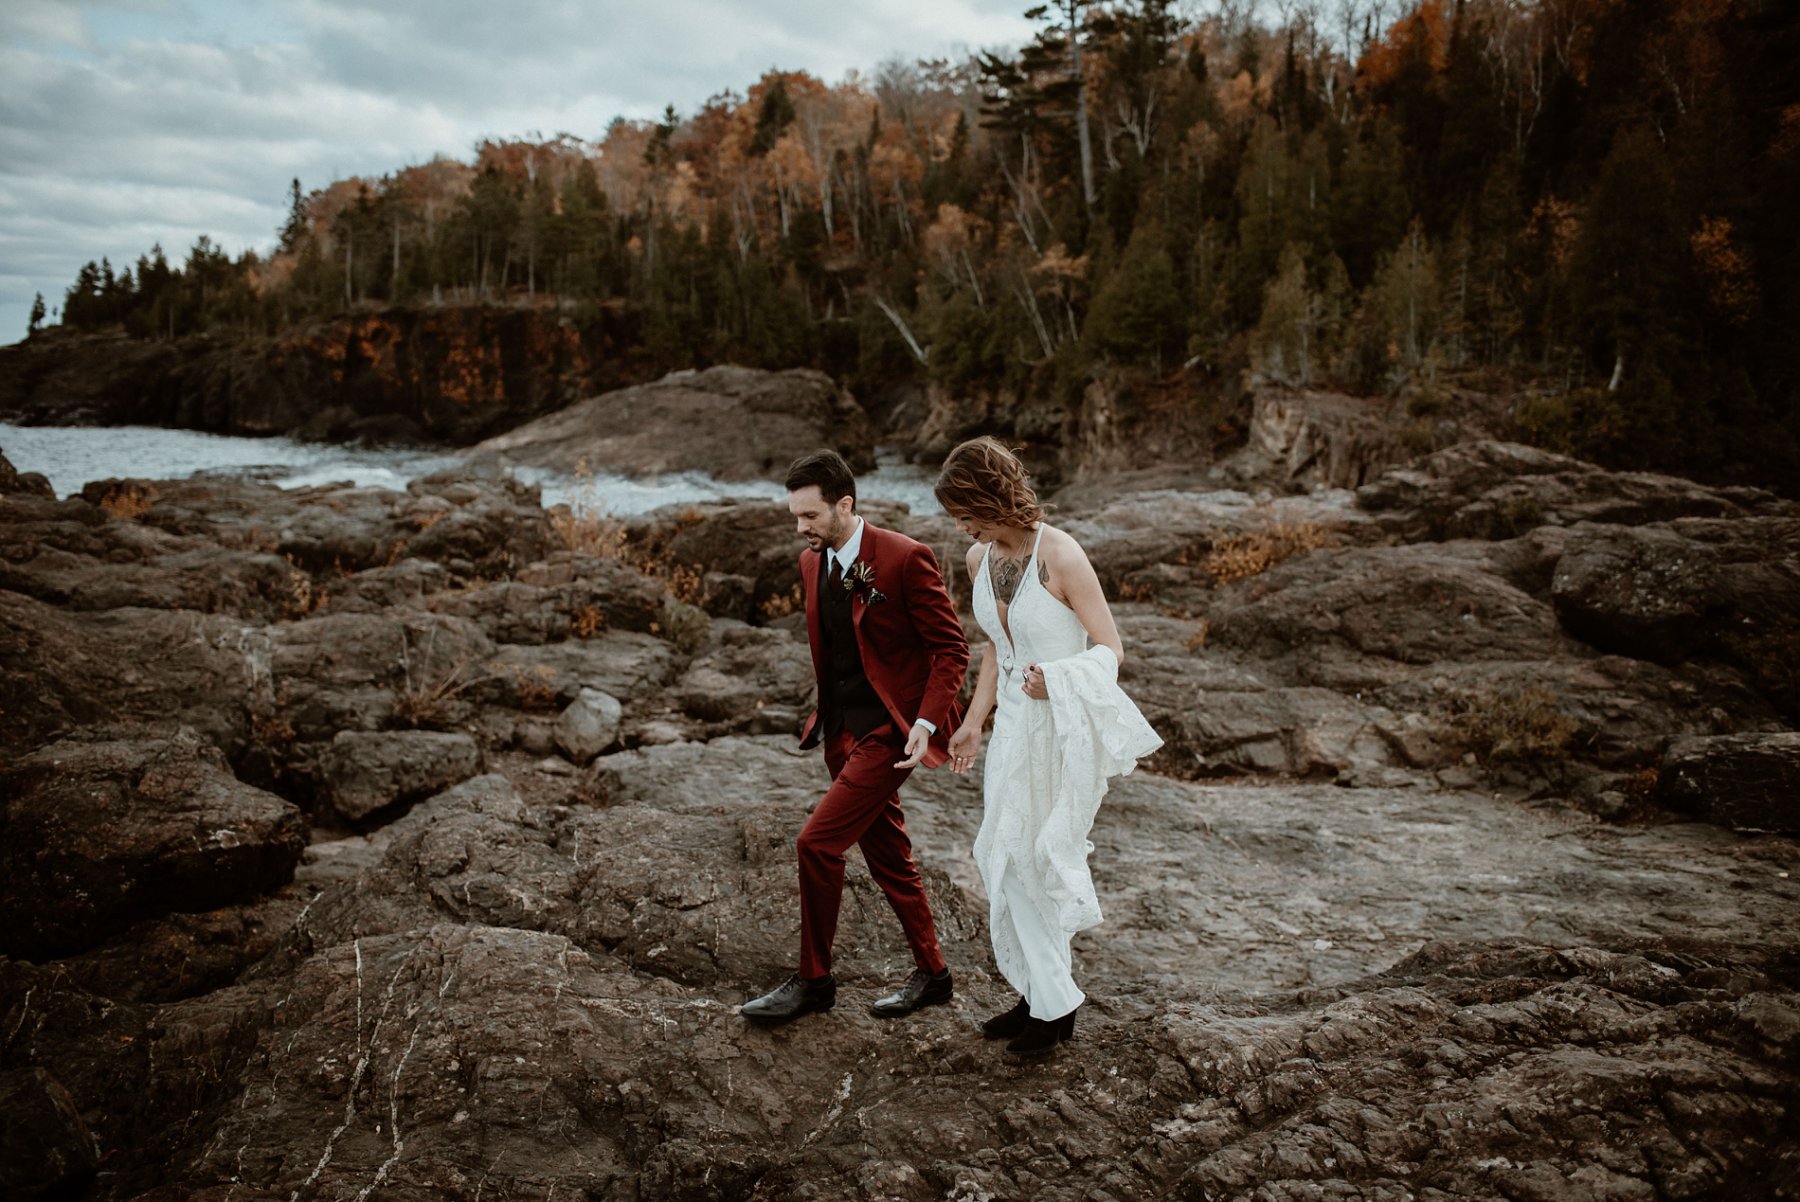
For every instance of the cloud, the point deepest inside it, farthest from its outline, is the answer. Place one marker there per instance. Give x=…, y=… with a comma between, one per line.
x=128, y=122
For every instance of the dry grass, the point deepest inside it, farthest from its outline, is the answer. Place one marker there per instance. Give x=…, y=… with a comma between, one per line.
x=1238, y=556
x=583, y=525
x=587, y=622
x=304, y=597
x=128, y=501
x=1511, y=725
x=534, y=689
x=424, y=696
x=783, y=604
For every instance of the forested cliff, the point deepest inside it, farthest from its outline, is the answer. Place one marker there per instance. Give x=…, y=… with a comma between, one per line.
x=1585, y=206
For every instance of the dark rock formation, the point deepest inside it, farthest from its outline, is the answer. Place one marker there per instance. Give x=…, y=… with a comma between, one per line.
x=1668, y=591
x=1324, y=439
x=1748, y=782
x=34, y=484
x=447, y=374
x=1500, y=490
x=49, y=1152
x=99, y=832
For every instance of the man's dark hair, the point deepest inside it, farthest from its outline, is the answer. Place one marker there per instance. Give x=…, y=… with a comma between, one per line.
x=828, y=470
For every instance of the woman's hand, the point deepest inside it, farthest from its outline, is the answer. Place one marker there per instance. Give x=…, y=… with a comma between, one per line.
x=1034, y=686
x=965, y=745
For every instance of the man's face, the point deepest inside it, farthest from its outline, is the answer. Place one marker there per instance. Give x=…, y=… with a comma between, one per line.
x=820, y=523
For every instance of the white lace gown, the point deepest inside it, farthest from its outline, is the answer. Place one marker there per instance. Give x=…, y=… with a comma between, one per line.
x=1046, y=771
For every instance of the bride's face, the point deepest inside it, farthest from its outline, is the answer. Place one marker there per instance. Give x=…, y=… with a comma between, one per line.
x=975, y=528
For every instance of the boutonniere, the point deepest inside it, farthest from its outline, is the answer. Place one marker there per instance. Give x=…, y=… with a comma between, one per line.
x=859, y=581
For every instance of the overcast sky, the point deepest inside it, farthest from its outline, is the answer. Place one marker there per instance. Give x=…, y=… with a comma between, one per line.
x=129, y=122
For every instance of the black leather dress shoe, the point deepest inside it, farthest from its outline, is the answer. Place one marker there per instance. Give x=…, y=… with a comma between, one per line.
x=792, y=998
x=1007, y=1025
x=1040, y=1037
x=921, y=989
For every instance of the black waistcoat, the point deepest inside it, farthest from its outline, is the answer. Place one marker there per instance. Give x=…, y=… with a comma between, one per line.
x=845, y=695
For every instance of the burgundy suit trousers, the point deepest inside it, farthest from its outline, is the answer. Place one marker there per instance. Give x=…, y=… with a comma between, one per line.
x=862, y=807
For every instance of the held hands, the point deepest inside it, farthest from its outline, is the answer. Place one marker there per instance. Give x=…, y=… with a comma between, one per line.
x=965, y=745
x=916, y=744
x=1034, y=686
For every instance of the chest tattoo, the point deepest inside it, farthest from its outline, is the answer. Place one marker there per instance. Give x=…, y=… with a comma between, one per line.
x=1007, y=574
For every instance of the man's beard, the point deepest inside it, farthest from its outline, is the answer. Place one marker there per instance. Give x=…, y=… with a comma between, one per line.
x=829, y=537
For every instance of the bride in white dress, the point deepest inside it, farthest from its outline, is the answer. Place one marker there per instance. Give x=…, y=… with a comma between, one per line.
x=1062, y=727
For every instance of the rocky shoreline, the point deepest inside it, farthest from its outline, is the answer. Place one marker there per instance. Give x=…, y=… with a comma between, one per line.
x=422, y=843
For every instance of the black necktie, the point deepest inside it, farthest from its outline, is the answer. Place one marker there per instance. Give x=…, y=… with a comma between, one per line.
x=837, y=573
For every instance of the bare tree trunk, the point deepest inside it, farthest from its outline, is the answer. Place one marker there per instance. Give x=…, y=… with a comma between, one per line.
x=1024, y=292
x=920, y=353
x=1021, y=208
x=1073, y=8
x=781, y=200
x=973, y=282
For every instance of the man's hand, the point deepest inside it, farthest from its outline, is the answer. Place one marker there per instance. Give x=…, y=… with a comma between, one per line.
x=916, y=743
x=965, y=745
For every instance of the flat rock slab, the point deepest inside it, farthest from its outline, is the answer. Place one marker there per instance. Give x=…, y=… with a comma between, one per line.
x=1303, y=990
x=102, y=832
x=366, y=771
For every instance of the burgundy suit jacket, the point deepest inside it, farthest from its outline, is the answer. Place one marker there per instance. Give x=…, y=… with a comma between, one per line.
x=912, y=644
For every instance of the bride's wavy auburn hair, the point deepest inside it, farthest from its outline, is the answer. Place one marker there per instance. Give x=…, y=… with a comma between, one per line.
x=984, y=481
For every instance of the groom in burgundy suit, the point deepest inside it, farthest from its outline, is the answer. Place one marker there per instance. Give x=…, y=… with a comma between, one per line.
x=889, y=655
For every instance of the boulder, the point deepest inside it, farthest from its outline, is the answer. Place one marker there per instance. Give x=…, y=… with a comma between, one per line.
x=568, y=596
x=1325, y=439
x=1666, y=591
x=1498, y=490
x=546, y=677
x=107, y=828
x=749, y=550
x=83, y=555
x=141, y=1077
x=759, y=681
x=338, y=672
x=175, y=956
x=733, y=423
x=61, y=670
x=31, y=484
x=481, y=518
x=588, y=725
x=1415, y=604
x=366, y=771
x=49, y=1151
x=1750, y=782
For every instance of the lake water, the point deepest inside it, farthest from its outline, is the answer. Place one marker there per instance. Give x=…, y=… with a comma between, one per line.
x=74, y=456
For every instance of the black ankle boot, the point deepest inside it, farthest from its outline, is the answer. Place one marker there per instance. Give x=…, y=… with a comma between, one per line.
x=1040, y=1037
x=1009, y=1024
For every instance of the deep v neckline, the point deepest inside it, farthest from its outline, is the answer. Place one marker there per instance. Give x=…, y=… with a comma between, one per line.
x=1005, y=614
